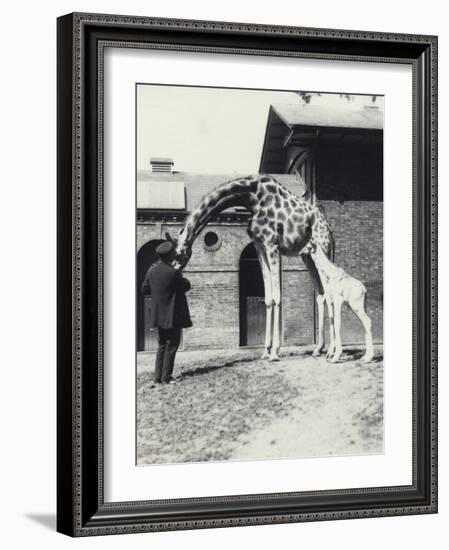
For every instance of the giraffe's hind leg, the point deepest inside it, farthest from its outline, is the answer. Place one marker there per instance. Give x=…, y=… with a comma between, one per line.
x=358, y=307
x=331, y=347
x=319, y=300
x=320, y=308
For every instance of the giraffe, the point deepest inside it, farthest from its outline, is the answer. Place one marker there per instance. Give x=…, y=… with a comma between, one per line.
x=339, y=287
x=280, y=224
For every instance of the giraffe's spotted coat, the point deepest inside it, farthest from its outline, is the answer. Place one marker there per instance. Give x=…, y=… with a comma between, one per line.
x=281, y=216
x=279, y=219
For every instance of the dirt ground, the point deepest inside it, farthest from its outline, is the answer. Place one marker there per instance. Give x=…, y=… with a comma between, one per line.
x=235, y=406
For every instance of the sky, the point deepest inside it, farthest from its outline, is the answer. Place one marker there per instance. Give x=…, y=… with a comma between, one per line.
x=207, y=130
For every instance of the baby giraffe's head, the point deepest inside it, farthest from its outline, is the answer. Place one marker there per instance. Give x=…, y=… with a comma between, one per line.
x=309, y=248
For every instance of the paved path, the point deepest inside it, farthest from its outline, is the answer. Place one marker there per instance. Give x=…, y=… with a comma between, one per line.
x=337, y=412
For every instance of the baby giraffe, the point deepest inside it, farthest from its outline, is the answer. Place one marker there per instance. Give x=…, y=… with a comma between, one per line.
x=339, y=287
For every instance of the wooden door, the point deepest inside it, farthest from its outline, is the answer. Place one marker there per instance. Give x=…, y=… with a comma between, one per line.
x=145, y=259
x=150, y=341
x=255, y=320
x=150, y=334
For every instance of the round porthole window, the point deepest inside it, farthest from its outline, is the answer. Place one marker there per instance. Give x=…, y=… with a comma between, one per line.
x=212, y=241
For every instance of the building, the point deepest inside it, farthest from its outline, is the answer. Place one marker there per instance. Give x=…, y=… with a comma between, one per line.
x=333, y=155
x=338, y=151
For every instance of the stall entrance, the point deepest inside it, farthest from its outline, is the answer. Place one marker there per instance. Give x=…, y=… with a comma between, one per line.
x=252, y=299
x=146, y=337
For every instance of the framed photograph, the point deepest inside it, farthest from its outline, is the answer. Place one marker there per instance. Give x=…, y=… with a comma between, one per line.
x=247, y=274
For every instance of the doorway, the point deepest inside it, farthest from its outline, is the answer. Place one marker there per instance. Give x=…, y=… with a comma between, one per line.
x=252, y=299
x=146, y=337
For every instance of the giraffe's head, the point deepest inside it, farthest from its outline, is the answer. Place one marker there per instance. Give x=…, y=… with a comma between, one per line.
x=183, y=249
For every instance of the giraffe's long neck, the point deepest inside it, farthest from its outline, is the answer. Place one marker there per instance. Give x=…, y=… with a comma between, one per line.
x=326, y=268
x=232, y=193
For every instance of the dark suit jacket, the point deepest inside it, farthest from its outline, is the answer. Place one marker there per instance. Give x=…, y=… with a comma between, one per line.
x=167, y=287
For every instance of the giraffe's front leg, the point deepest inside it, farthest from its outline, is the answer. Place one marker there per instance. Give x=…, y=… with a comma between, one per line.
x=320, y=306
x=266, y=274
x=274, y=354
x=275, y=270
x=268, y=329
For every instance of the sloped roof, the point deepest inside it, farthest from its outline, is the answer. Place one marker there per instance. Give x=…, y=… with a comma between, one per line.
x=294, y=120
x=343, y=116
x=198, y=185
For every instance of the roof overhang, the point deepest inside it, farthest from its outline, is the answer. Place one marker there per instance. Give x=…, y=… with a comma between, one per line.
x=305, y=125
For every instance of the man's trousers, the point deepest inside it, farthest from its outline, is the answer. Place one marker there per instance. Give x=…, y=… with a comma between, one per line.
x=169, y=339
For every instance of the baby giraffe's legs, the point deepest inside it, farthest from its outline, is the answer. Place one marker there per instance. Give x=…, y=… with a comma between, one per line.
x=330, y=310
x=358, y=307
x=320, y=306
x=337, y=324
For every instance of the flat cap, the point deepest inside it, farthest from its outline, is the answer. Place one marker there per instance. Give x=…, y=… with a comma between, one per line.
x=165, y=249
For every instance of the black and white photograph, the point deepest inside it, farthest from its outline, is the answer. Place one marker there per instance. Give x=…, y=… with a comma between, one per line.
x=259, y=274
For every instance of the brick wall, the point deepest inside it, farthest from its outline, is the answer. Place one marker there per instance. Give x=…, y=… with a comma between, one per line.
x=297, y=307
x=214, y=308
x=358, y=232
x=214, y=297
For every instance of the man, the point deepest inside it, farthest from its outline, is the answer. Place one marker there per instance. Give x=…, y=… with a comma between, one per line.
x=169, y=309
